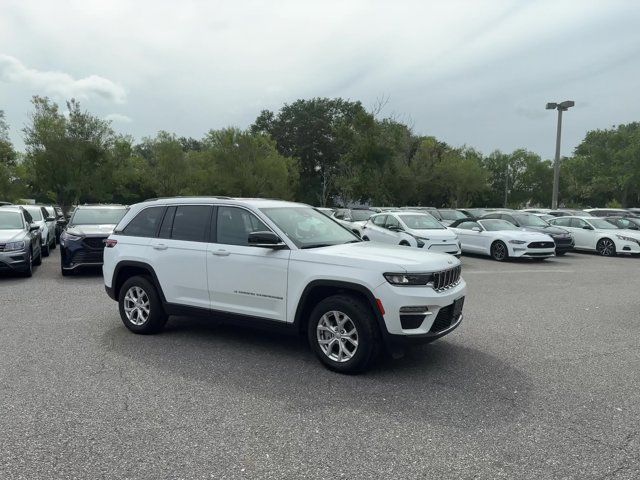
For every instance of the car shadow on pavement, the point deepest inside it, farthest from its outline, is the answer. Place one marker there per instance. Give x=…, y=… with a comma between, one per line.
x=440, y=382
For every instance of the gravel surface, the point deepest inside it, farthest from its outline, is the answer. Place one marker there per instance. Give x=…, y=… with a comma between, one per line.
x=540, y=381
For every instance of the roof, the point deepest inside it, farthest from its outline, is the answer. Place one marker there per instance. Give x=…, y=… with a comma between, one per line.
x=101, y=206
x=253, y=202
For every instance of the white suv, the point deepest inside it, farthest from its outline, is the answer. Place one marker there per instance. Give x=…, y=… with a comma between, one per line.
x=281, y=264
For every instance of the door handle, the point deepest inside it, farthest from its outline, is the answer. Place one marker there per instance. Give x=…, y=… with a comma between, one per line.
x=220, y=253
x=160, y=246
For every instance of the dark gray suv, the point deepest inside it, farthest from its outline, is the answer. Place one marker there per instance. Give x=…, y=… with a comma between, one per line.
x=19, y=241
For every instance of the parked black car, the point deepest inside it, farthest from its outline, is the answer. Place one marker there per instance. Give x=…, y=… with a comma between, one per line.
x=529, y=221
x=20, y=247
x=82, y=241
x=61, y=221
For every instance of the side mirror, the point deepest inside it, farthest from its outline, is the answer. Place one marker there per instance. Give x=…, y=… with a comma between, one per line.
x=587, y=227
x=476, y=229
x=51, y=219
x=33, y=227
x=265, y=240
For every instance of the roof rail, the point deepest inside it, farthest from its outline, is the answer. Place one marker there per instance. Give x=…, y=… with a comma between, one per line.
x=222, y=197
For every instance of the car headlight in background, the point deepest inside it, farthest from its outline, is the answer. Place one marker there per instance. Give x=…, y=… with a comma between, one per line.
x=408, y=279
x=517, y=242
x=13, y=246
x=628, y=239
x=66, y=236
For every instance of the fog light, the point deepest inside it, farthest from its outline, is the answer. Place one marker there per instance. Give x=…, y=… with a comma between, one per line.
x=418, y=310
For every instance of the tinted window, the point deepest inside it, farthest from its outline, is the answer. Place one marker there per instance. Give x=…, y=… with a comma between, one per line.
x=190, y=223
x=10, y=220
x=577, y=223
x=562, y=222
x=235, y=224
x=497, y=225
x=36, y=212
x=167, y=223
x=380, y=220
x=421, y=222
x=361, y=215
x=491, y=215
x=146, y=223
x=97, y=215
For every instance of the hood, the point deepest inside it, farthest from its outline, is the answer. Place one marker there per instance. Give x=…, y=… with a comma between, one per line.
x=627, y=233
x=89, y=230
x=7, y=236
x=524, y=235
x=549, y=230
x=440, y=234
x=378, y=256
x=360, y=223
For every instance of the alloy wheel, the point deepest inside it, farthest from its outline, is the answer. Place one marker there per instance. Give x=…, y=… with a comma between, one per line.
x=499, y=251
x=136, y=305
x=337, y=336
x=606, y=248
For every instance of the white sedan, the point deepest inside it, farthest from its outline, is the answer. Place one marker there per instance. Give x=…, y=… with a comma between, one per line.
x=501, y=240
x=411, y=229
x=597, y=234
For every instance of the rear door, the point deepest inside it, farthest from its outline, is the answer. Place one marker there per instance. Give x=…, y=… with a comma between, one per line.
x=375, y=230
x=243, y=279
x=179, y=255
x=471, y=240
x=583, y=237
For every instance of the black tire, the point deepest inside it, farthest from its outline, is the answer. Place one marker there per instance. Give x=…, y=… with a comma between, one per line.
x=38, y=260
x=499, y=251
x=28, y=270
x=366, y=239
x=404, y=243
x=367, y=334
x=560, y=254
x=53, y=244
x=156, y=318
x=45, y=250
x=606, y=247
x=66, y=273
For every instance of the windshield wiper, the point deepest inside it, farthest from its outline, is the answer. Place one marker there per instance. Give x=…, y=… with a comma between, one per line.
x=317, y=245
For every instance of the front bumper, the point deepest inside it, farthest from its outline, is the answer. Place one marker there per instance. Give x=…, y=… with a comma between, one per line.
x=522, y=251
x=80, y=253
x=13, y=261
x=393, y=298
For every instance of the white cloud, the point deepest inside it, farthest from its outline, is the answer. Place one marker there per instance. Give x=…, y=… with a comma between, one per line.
x=117, y=117
x=60, y=84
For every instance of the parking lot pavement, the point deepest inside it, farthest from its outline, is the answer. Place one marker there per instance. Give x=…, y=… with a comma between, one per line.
x=540, y=381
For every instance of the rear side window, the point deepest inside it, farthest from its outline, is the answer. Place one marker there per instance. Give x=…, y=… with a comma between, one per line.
x=562, y=222
x=235, y=224
x=578, y=223
x=146, y=223
x=190, y=223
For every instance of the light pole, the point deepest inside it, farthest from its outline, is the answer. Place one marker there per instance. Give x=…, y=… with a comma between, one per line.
x=561, y=107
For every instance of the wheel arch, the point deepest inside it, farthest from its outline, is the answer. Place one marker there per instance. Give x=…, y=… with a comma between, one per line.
x=318, y=290
x=127, y=269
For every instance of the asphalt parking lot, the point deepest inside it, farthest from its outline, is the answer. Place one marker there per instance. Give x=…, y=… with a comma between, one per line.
x=540, y=381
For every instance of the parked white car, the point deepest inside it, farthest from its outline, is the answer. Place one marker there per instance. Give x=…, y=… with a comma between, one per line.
x=280, y=264
x=502, y=240
x=47, y=226
x=411, y=229
x=599, y=235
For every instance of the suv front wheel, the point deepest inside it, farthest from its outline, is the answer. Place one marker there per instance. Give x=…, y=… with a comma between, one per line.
x=140, y=306
x=343, y=334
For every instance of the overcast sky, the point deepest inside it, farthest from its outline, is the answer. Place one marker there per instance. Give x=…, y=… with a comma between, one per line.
x=468, y=72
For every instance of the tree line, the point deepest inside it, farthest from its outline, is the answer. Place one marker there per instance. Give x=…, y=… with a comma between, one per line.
x=328, y=152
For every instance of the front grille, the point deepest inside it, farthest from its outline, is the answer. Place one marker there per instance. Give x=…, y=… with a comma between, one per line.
x=447, y=316
x=541, y=245
x=87, y=256
x=563, y=241
x=94, y=242
x=2, y=245
x=446, y=279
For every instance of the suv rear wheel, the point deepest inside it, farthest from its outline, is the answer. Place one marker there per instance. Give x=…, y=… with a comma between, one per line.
x=140, y=307
x=343, y=334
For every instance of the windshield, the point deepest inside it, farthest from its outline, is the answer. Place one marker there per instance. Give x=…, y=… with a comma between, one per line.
x=308, y=228
x=361, y=215
x=10, y=220
x=477, y=212
x=497, y=225
x=35, y=212
x=97, y=216
x=530, y=221
x=451, y=214
x=602, y=224
x=421, y=222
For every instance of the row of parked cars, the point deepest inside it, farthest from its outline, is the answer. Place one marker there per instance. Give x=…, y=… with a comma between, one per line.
x=30, y=232
x=499, y=233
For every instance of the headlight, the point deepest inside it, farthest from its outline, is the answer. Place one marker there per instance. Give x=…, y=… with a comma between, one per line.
x=628, y=239
x=65, y=236
x=517, y=242
x=408, y=278
x=13, y=246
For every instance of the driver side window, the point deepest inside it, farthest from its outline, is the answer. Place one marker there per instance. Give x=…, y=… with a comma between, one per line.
x=578, y=223
x=234, y=225
x=392, y=222
x=380, y=220
x=468, y=225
